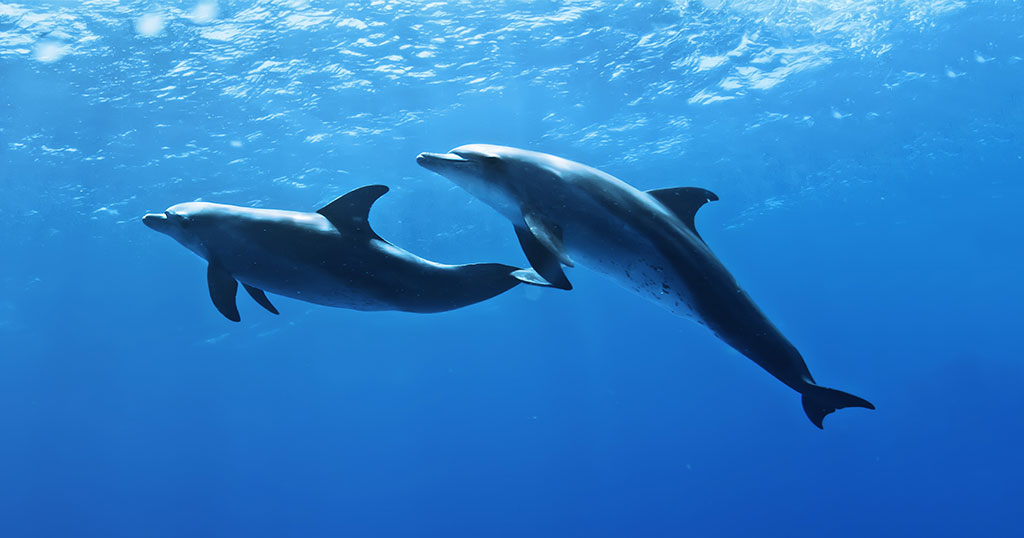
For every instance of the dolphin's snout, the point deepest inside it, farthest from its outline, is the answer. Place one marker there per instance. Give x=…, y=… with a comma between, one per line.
x=434, y=161
x=155, y=221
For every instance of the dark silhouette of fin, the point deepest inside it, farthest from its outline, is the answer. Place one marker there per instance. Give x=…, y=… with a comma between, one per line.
x=684, y=202
x=820, y=401
x=223, y=288
x=545, y=262
x=260, y=297
x=549, y=236
x=351, y=212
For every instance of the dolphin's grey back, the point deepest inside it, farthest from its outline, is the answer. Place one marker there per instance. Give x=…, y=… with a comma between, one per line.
x=331, y=257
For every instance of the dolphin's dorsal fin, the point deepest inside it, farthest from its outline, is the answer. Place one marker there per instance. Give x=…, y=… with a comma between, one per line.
x=351, y=212
x=260, y=297
x=223, y=288
x=684, y=202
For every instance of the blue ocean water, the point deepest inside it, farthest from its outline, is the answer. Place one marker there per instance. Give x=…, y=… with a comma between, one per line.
x=868, y=156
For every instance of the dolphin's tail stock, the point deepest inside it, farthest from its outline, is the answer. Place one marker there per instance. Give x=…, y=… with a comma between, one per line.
x=820, y=401
x=456, y=286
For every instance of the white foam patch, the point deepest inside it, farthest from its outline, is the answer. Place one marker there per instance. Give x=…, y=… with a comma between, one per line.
x=204, y=12
x=222, y=32
x=352, y=23
x=49, y=51
x=710, y=62
x=306, y=21
x=150, y=24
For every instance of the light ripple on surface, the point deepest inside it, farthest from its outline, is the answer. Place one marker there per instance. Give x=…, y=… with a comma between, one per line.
x=288, y=75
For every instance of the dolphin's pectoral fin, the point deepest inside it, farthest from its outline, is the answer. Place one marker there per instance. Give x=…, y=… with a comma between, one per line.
x=549, y=236
x=351, y=212
x=532, y=277
x=260, y=297
x=223, y=288
x=542, y=259
x=684, y=202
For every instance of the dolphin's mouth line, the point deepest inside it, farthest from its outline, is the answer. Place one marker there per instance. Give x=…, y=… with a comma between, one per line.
x=445, y=157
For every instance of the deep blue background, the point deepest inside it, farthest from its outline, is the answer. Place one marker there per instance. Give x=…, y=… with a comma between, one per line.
x=869, y=160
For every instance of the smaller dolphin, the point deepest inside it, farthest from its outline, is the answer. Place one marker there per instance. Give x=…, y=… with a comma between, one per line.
x=564, y=211
x=331, y=257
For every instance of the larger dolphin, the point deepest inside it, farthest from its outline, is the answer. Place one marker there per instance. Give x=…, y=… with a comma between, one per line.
x=565, y=211
x=331, y=257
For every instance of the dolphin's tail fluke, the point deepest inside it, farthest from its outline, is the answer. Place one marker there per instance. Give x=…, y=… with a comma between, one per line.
x=820, y=401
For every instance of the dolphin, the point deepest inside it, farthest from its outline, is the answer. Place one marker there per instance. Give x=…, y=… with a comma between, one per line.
x=331, y=257
x=564, y=211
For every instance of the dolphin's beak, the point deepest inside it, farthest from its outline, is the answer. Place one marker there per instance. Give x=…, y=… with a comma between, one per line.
x=156, y=221
x=439, y=161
